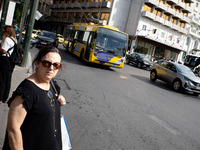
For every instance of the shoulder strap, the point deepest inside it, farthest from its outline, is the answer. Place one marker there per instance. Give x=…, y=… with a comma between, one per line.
x=54, y=88
x=11, y=47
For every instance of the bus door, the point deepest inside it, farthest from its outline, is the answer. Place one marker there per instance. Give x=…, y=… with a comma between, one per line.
x=90, y=44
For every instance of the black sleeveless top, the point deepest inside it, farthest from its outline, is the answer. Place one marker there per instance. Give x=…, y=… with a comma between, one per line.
x=40, y=130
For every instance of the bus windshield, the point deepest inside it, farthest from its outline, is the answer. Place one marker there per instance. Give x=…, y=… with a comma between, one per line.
x=112, y=42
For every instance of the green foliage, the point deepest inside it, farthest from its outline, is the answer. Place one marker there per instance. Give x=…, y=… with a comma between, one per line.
x=18, y=12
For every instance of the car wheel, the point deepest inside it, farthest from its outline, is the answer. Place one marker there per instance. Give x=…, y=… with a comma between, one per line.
x=153, y=76
x=177, y=85
x=139, y=65
x=127, y=61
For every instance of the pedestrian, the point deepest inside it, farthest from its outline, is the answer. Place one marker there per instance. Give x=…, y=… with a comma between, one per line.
x=34, y=114
x=6, y=66
x=15, y=27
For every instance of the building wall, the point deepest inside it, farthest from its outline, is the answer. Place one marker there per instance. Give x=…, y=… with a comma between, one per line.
x=134, y=17
x=119, y=14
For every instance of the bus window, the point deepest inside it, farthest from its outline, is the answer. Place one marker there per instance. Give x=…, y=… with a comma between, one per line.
x=85, y=37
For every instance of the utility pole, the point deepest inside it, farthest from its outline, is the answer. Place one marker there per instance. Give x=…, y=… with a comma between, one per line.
x=4, y=12
x=30, y=24
x=26, y=3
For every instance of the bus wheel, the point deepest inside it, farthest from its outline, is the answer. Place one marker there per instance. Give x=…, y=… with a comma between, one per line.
x=82, y=54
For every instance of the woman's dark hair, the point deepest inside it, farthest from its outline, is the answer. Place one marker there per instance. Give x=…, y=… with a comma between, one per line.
x=43, y=51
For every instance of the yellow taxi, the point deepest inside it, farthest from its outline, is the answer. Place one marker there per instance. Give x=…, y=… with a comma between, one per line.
x=60, y=38
x=34, y=33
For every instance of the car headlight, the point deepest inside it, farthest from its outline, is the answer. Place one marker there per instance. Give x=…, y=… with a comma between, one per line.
x=190, y=82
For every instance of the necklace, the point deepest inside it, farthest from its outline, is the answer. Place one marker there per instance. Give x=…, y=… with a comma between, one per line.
x=51, y=99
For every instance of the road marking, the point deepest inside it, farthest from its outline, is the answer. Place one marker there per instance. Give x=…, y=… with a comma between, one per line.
x=123, y=77
x=165, y=125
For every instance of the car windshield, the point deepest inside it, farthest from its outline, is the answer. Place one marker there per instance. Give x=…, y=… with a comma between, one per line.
x=185, y=70
x=48, y=34
x=110, y=41
x=34, y=32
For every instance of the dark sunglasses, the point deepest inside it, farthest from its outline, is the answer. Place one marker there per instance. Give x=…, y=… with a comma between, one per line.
x=48, y=64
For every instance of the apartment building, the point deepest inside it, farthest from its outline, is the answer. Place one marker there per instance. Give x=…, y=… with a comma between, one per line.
x=193, y=37
x=43, y=8
x=159, y=28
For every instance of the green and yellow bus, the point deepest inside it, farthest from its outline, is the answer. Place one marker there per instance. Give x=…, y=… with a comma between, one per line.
x=101, y=44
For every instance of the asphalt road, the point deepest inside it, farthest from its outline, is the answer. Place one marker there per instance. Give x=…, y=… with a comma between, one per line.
x=121, y=109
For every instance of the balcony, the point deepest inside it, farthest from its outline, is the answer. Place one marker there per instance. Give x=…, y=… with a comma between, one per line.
x=183, y=30
x=148, y=15
x=171, y=11
x=153, y=2
x=186, y=19
x=188, y=8
x=181, y=4
x=167, y=23
x=195, y=20
x=162, y=6
x=159, y=19
x=176, y=27
x=179, y=15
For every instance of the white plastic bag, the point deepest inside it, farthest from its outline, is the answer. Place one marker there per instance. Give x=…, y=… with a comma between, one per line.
x=66, y=143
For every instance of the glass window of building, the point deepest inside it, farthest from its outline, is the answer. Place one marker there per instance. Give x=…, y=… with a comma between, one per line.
x=105, y=16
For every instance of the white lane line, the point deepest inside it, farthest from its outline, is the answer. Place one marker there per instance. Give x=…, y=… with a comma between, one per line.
x=165, y=125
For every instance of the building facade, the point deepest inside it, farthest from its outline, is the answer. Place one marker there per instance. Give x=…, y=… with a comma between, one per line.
x=159, y=28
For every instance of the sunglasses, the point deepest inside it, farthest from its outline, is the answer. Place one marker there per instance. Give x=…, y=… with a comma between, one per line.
x=48, y=64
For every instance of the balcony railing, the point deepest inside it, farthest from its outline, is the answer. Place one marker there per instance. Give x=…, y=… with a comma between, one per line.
x=167, y=23
x=162, y=6
x=148, y=14
x=171, y=11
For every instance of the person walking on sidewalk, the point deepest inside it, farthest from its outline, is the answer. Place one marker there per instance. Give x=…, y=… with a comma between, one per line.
x=34, y=114
x=6, y=66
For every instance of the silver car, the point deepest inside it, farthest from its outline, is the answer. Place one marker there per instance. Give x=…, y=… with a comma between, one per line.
x=177, y=75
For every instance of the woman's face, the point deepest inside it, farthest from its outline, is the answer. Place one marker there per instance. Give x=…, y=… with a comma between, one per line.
x=48, y=67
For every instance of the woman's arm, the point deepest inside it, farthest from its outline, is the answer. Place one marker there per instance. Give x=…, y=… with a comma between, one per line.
x=16, y=116
x=3, y=51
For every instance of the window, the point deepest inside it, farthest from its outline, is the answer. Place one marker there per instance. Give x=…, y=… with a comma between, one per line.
x=144, y=27
x=195, y=44
x=105, y=16
x=157, y=12
x=147, y=8
x=162, y=34
x=197, y=5
x=166, y=16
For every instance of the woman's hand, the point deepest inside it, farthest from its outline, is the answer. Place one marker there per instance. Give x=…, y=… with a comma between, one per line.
x=61, y=100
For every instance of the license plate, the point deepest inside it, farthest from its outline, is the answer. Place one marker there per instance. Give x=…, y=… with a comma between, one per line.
x=43, y=43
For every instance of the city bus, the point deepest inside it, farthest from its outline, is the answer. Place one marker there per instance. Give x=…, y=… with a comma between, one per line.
x=101, y=44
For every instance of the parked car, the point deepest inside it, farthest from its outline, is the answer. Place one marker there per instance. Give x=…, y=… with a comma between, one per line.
x=179, y=76
x=139, y=60
x=47, y=38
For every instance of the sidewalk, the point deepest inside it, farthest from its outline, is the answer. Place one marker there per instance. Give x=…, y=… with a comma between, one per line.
x=19, y=74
